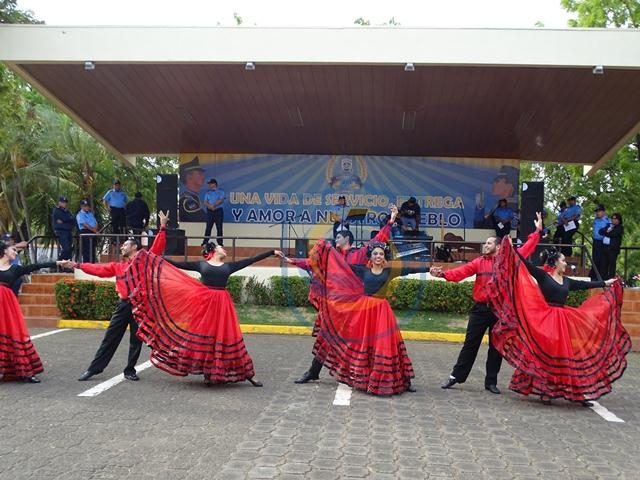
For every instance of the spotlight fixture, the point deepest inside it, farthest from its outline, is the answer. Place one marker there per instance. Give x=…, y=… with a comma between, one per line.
x=598, y=70
x=409, y=67
x=89, y=65
x=250, y=66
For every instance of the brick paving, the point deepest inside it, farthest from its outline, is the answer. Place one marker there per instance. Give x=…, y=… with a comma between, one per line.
x=165, y=427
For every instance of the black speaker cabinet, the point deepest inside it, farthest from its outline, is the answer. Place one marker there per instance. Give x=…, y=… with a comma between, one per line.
x=176, y=242
x=532, y=200
x=167, y=197
x=302, y=247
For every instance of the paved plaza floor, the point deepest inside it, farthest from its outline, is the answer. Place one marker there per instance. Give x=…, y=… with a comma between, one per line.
x=165, y=427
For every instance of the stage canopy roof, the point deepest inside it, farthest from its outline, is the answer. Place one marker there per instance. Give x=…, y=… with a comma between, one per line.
x=570, y=96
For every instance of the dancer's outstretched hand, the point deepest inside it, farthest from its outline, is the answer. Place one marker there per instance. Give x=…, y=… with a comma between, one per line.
x=538, y=222
x=164, y=218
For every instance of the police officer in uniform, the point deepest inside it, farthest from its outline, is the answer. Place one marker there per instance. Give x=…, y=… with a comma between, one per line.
x=63, y=222
x=115, y=200
x=192, y=179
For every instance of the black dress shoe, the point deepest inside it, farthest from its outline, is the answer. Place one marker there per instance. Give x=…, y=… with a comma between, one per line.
x=585, y=403
x=255, y=383
x=132, y=376
x=492, y=389
x=306, y=377
x=450, y=382
x=86, y=375
x=32, y=379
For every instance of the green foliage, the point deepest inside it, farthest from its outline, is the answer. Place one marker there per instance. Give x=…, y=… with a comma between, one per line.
x=256, y=292
x=234, y=287
x=105, y=300
x=576, y=297
x=290, y=291
x=604, y=13
x=85, y=300
x=433, y=296
x=9, y=13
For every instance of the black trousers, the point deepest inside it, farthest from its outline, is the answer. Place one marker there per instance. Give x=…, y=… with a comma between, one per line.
x=66, y=244
x=315, y=368
x=611, y=257
x=118, y=221
x=87, y=246
x=481, y=319
x=567, y=239
x=214, y=217
x=599, y=259
x=121, y=317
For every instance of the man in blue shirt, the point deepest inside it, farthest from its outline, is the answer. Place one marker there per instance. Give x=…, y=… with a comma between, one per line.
x=570, y=223
x=115, y=200
x=598, y=257
x=87, y=224
x=63, y=223
x=502, y=217
x=213, y=202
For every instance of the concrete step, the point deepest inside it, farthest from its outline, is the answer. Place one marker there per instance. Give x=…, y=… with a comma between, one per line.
x=42, y=322
x=40, y=311
x=38, y=288
x=37, y=298
x=50, y=277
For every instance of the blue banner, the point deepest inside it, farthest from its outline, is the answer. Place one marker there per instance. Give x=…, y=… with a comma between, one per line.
x=304, y=189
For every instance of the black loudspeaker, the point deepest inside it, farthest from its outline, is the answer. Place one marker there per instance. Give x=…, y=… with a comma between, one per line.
x=176, y=243
x=532, y=199
x=167, y=197
x=302, y=247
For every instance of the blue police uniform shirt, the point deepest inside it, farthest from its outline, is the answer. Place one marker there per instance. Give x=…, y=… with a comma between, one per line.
x=212, y=196
x=116, y=199
x=571, y=211
x=599, y=223
x=86, y=217
x=505, y=212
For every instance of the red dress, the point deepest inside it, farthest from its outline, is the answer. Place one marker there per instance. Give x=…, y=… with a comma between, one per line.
x=558, y=351
x=358, y=337
x=18, y=356
x=191, y=328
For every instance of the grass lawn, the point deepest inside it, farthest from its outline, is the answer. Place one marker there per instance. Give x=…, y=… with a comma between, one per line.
x=304, y=316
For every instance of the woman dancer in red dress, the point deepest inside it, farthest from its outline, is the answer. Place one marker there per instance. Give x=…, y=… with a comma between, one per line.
x=558, y=351
x=191, y=326
x=359, y=339
x=18, y=356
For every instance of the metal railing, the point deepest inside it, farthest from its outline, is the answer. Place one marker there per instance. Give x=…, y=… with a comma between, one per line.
x=461, y=251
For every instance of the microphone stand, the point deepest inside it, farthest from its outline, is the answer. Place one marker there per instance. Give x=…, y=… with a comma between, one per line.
x=281, y=233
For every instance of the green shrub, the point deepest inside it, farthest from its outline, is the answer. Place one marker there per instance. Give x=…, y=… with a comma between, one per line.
x=85, y=300
x=106, y=298
x=435, y=296
x=234, y=287
x=257, y=293
x=576, y=297
x=290, y=291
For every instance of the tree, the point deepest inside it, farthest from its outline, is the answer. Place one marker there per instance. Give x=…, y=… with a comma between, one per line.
x=9, y=13
x=604, y=13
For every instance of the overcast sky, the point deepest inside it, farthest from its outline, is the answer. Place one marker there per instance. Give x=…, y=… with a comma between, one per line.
x=333, y=13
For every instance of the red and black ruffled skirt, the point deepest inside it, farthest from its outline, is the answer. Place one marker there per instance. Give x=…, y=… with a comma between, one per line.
x=557, y=351
x=358, y=338
x=18, y=356
x=191, y=328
